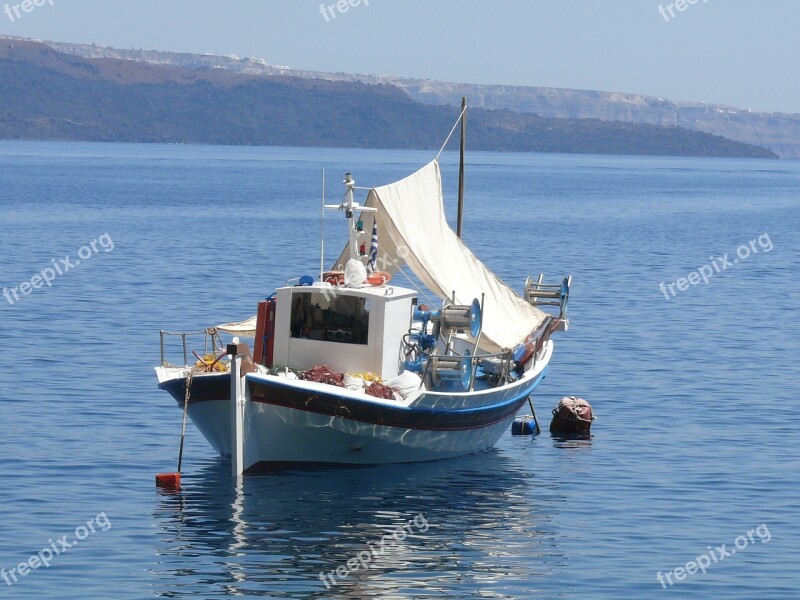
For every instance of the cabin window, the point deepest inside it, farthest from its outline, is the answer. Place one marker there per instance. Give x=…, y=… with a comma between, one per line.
x=330, y=318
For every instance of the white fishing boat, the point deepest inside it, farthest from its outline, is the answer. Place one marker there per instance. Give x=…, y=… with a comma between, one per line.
x=351, y=368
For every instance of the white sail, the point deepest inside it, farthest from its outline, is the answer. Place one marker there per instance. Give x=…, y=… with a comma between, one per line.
x=246, y=328
x=412, y=230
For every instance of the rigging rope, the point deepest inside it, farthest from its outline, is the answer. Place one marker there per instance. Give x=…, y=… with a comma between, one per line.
x=452, y=131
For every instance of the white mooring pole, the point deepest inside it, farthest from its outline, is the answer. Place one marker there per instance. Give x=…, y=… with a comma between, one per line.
x=237, y=412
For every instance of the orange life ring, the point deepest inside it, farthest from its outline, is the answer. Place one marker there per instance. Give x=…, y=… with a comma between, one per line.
x=379, y=278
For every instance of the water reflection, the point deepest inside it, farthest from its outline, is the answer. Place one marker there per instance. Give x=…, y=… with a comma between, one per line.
x=490, y=531
x=572, y=441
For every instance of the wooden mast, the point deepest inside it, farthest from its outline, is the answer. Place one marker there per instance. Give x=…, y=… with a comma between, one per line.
x=461, y=165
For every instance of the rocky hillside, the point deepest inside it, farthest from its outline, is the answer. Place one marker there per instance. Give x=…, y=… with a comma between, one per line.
x=779, y=132
x=48, y=94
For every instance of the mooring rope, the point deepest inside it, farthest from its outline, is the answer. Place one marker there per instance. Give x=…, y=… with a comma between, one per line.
x=185, y=410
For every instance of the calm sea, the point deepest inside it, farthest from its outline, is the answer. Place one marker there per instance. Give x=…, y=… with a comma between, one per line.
x=695, y=447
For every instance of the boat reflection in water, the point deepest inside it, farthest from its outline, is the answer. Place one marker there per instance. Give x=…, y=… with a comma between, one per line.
x=488, y=529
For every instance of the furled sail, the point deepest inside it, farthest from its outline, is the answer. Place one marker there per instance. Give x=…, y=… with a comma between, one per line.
x=413, y=231
x=246, y=328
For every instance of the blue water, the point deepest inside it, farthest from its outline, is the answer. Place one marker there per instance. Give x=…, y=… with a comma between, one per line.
x=695, y=445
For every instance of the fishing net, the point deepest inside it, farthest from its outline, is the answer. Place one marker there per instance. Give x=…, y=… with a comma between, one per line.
x=378, y=390
x=323, y=374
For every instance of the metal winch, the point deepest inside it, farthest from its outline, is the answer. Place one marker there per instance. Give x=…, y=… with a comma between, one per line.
x=444, y=371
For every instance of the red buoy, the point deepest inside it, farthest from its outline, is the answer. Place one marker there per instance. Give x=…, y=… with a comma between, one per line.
x=169, y=481
x=572, y=415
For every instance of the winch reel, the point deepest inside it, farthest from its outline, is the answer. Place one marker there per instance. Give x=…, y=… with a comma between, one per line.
x=450, y=368
x=556, y=295
x=447, y=370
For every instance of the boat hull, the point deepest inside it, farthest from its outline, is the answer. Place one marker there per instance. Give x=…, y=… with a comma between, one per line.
x=303, y=422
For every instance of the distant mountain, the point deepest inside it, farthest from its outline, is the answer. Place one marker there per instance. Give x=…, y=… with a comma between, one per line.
x=778, y=132
x=174, y=98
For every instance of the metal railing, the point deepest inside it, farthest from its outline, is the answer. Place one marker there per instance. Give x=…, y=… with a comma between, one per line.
x=475, y=359
x=211, y=336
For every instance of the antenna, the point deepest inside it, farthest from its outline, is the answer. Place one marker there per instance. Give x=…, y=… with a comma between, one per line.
x=322, y=232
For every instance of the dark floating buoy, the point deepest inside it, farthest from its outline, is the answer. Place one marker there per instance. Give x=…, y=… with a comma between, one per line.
x=572, y=415
x=523, y=426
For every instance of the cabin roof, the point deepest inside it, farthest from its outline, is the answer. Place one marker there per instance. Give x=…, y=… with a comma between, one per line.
x=369, y=291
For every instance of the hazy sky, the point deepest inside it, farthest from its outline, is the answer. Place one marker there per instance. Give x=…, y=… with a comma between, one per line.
x=744, y=53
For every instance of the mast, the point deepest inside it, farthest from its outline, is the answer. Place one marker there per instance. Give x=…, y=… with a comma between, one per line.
x=350, y=208
x=461, y=165
x=349, y=205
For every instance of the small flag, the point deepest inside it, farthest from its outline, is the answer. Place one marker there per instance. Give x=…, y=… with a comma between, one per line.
x=373, y=249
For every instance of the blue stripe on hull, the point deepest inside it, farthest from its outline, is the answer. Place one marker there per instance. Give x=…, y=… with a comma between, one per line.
x=279, y=393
